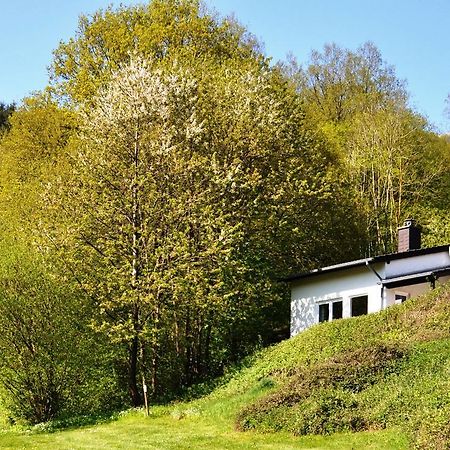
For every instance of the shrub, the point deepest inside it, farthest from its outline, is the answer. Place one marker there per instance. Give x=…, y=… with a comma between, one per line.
x=52, y=363
x=328, y=412
x=320, y=399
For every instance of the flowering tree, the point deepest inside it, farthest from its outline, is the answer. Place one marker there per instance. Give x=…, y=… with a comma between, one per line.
x=181, y=185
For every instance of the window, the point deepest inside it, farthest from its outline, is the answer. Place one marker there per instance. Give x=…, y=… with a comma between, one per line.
x=400, y=298
x=330, y=311
x=324, y=312
x=337, y=310
x=359, y=305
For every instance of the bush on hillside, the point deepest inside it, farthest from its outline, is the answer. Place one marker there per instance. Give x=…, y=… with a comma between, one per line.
x=320, y=399
x=432, y=432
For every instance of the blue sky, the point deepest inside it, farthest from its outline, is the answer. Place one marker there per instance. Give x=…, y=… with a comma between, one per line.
x=413, y=35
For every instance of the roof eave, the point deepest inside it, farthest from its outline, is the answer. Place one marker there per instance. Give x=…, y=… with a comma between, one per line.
x=365, y=261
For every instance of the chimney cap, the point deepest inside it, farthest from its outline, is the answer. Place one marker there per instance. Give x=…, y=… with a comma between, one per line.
x=409, y=223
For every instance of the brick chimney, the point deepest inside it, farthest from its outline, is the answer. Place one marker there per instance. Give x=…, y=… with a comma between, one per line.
x=408, y=236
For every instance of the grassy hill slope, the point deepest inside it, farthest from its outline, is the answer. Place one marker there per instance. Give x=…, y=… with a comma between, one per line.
x=379, y=371
x=377, y=381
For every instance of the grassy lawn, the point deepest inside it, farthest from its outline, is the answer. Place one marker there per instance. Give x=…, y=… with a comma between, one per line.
x=207, y=423
x=409, y=403
x=134, y=431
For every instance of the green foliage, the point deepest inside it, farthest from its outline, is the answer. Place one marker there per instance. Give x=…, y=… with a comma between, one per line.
x=46, y=347
x=74, y=421
x=395, y=167
x=322, y=395
x=5, y=113
x=432, y=431
x=432, y=211
x=161, y=29
x=393, y=163
x=33, y=154
x=384, y=370
x=53, y=363
x=338, y=83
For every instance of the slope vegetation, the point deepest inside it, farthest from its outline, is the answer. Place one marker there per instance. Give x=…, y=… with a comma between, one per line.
x=379, y=371
x=380, y=381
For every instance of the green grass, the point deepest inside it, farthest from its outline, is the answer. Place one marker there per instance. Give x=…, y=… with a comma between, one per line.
x=134, y=431
x=404, y=401
x=206, y=423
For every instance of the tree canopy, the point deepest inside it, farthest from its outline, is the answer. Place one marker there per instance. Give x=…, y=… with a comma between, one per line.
x=166, y=180
x=162, y=29
x=385, y=149
x=338, y=83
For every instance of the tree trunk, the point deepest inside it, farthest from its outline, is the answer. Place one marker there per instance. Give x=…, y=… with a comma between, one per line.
x=155, y=355
x=132, y=373
x=207, y=357
x=188, y=361
x=135, y=273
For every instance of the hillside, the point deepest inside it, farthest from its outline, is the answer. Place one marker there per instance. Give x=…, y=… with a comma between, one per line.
x=378, y=381
x=384, y=370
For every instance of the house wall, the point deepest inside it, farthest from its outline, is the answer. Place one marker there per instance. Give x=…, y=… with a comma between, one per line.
x=411, y=291
x=307, y=294
x=415, y=264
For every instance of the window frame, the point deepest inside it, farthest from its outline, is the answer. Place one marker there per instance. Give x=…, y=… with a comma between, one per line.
x=400, y=294
x=330, y=304
x=353, y=297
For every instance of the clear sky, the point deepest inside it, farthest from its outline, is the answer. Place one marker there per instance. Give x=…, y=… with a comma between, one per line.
x=413, y=35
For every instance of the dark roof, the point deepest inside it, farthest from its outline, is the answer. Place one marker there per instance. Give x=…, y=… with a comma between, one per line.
x=367, y=261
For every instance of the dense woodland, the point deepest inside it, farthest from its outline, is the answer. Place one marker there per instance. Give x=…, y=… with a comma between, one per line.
x=154, y=193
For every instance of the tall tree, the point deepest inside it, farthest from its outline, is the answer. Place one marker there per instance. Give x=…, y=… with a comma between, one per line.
x=359, y=106
x=392, y=164
x=187, y=189
x=5, y=111
x=159, y=30
x=338, y=83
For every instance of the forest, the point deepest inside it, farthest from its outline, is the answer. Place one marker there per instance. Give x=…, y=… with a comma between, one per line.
x=155, y=192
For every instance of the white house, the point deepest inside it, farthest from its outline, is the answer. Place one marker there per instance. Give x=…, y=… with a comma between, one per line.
x=368, y=285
